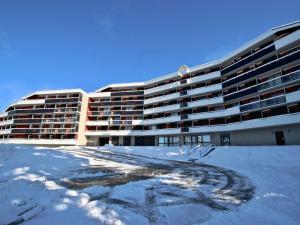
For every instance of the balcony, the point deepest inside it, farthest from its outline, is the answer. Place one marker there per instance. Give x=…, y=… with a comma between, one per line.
x=183, y=105
x=29, y=102
x=204, y=77
x=127, y=93
x=293, y=97
x=168, y=131
x=114, y=133
x=162, y=109
x=27, y=121
x=250, y=124
x=183, y=93
x=263, y=69
x=240, y=94
x=25, y=131
x=161, y=98
x=279, y=81
x=169, y=119
x=205, y=102
x=207, y=89
x=287, y=40
x=184, y=117
x=57, y=120
x=29, y=111
x=6, y=131
x=66, y=110
x=249, y=59
x=162, y=88
x=215, y=114
x=183, y=81
x=61, y=100
x=263, y=104
x=6, y=122
x=184, y=129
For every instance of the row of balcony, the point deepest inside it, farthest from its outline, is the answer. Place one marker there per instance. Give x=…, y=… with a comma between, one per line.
x=42, y=111
x=182, y=83
x=263, y=69
x=200, y=90
x=41, y=131
x=262, y=104
x=120, y=103
x=113, y=122
x=279, y=81
x=251, y=58
x=115, y=113
x=202, y=102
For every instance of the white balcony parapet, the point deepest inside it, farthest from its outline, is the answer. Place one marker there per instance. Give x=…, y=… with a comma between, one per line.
x=169, y=131
x=250, y=124
x=207, y=89
x=39, y=141
x=205, y=102
x=293, y=97
x=6, y=131
x=3, y=114
x=99, y=94
x=29, y=102
x=204, y=77
x=114, y=133
x=107, y=122
x=161, y=98
x=215, y=114
x=162, y=109
x=287, y=40
x=6, y=122
x=162, y=88
x=169, y=119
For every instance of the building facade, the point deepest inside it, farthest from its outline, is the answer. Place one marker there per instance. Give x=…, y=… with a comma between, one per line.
x=249, y=97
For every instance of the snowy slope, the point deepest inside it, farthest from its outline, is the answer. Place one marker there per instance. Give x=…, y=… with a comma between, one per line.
x=32, y=191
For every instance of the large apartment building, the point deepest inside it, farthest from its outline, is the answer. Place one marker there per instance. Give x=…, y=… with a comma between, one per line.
x=249, y=97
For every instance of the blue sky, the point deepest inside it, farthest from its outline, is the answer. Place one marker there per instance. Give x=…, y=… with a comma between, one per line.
x=91, y=43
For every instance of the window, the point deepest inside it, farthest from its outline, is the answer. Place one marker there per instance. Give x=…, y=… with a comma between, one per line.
x=196, y=139
x=168, y=141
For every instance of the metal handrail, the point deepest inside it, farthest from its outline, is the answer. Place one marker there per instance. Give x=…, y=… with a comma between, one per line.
x=203, y=149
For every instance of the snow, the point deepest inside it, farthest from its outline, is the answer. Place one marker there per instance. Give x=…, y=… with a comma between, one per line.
x=36, y=185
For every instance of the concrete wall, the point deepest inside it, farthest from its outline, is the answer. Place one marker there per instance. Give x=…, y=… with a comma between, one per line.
x=83, y=114
x=266, y=136
x=263, y=136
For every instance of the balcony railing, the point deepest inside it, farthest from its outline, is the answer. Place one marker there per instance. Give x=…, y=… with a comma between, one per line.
x=126, y=93
x=62, y=100
x=183, y=81
x=184, y=117
x=279, y=81
x=264, y=103
x=184, y=129
x=241, y=93
x=183, y=104
x=249, y=59
x=120, y=103
x=263, y=69
x=182, y=93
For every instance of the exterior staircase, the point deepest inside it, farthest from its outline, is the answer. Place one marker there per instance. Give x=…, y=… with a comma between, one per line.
x=199, y=151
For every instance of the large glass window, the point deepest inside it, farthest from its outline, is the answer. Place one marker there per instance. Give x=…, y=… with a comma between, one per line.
x=196, y=139
x=161, y=141
x=168, y=141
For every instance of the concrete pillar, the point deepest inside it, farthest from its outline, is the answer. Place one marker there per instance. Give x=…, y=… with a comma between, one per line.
x=181, y=140
x=121, y=140
x=132, y=141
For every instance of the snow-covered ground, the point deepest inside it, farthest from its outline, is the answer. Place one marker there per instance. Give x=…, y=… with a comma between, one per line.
x=149, y=185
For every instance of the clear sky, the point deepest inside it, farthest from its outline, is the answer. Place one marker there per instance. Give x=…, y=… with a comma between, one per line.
x=91, y=43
